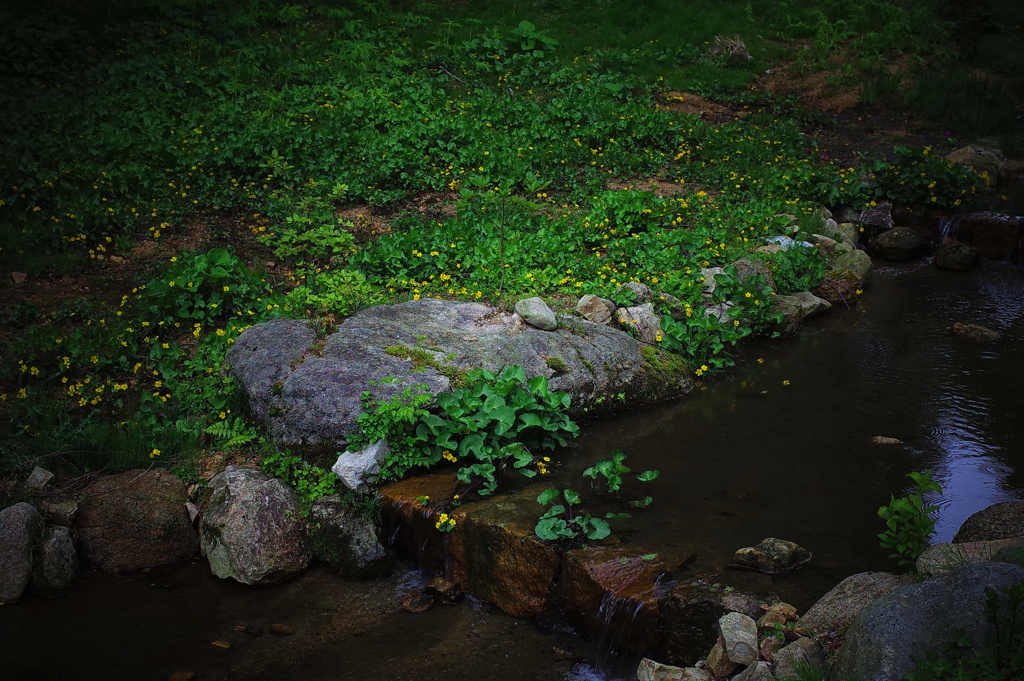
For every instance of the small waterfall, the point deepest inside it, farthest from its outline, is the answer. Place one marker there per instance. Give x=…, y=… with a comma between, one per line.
x=949, y=229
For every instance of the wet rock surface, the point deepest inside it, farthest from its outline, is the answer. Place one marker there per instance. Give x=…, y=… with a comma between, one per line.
x=135, y=520
x=347, y=542
x=956, y=256
x=974, y=332
x=57, y=565
x=899, y=243
x=771, y=556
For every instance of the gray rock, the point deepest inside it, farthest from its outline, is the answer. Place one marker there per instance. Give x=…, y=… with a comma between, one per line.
x=758, y=671
x=811, y=304
x=843, y=247
x=252, y=529
x=641, y=320
x=536, y=313
x=802, y=652
x=668, y=303
x=956, y=256
x=998, y=521
x=771, y=556
x=649, y=670
x=836, y=610
x=720, y=311
x=265, y=356
x=748, y=268
x=707, y=275
x=318, y=401
x=850, y=233
x=55, y=572
x=135, y=520
x=944, y=557
x=20, y=529
x=792, y=315
x=983, y=161
x=877, y=219
x=641, y=292
x=826, y=245
x=347, y=542
x=974, y=332
x=717, y=662
x=898, y=244
x=38, y=478
x=358, y=468
x=891, y=634
x=595, y=309
x=739, y=637
x=857, y=262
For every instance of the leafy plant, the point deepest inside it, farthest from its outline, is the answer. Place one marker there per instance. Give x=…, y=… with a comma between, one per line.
x=559, y=523
x=529, y=37
x=309, y=481
x=909, y=521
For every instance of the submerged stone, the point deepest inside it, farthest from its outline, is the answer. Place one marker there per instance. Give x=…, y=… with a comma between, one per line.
x=771, y=556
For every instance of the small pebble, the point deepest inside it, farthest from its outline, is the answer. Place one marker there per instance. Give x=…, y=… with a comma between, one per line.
x=281, y=630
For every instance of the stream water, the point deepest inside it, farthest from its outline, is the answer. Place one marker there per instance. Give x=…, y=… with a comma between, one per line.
x=780, y=448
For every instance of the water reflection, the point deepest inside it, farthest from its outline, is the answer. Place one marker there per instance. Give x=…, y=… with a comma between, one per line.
x=752, y=457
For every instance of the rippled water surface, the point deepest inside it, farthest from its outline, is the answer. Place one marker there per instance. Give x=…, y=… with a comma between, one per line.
x=745, y=458
x=783, y=448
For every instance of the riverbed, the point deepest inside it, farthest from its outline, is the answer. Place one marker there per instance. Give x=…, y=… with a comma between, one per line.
x=779, y=446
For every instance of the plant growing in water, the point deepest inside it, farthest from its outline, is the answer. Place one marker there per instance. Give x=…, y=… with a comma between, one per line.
x=558, y=522
x=909, y=522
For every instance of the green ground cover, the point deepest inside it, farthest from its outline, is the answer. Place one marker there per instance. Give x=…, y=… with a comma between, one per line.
x=127, y=124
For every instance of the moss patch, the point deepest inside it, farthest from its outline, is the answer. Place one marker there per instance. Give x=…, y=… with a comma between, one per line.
x=556, y=365
x=421, y=359
x=664, y=367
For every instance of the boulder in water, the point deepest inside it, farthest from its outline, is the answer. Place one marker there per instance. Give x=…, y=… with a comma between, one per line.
x=956, y=256
x=771, y=556
x=252, y=528
x=889, y=636
x=998, y=521
x=20, y=529
x=974, y=332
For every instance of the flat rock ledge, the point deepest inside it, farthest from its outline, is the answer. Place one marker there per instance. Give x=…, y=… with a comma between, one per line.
x=306, y=385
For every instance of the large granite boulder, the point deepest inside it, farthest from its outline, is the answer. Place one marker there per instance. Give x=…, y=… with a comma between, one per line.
x=836, y=610
x=307, y=389
x=20, y=528
x=135, y=520
x=893, y=633
x=252, y=528
x=998, y=521
x=346, y=541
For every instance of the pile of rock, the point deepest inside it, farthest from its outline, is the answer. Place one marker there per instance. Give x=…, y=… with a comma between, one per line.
x=251, y=528
x=768, y=649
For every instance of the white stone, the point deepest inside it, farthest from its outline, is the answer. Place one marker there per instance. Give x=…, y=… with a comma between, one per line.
x=739, y=636
x=354, y=468
x=650, y=670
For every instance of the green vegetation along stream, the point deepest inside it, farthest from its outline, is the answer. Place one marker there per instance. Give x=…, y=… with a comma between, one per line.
x=781, y=448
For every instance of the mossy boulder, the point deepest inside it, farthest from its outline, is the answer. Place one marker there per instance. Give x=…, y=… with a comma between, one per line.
x=307, y=389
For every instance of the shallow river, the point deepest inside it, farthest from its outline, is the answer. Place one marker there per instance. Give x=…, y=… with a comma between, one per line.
x=780, y=448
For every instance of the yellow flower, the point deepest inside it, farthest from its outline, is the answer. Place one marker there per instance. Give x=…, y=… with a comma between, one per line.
x=154, y=453
x=785, y=382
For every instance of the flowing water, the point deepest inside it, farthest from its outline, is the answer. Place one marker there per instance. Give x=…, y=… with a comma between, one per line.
x=780, y=448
